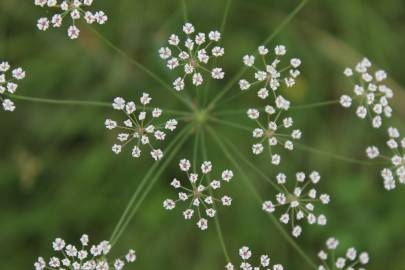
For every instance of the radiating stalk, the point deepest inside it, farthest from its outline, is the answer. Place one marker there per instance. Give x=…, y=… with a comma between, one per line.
x=147, y=71
x=184, y=10
x=331, y=155
x=61, y=102
x=216, y=218
x=315, y=105
x=71, y=102
x=225, y=16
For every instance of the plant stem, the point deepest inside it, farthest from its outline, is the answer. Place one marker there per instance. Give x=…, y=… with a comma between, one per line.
x=286, y=21
x=184, y=9
x=315, y=105
x=225, y=16
x=62, y=102
x=242, y=111
x=231, y=124
x=147, y=71
x=331, y=155
x=217, y=223
x=71, y=102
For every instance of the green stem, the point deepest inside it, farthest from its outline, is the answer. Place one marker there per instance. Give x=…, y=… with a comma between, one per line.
x=225, y=16
x=195, y=152
x=217, y=223
x=331, y=155
x=242, y=111
x=126, y=216
x=315, y=105
x=62, y=102
x=226, y=89
x=71, y=102
x=230, y=124
x=286, y=21
x=184, y=9
x=260, y=200
x=147, y=71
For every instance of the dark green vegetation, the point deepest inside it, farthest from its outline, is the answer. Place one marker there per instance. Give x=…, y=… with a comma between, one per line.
x=58, y=176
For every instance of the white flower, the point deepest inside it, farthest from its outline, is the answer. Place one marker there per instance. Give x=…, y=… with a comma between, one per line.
x=79, y=259
x=277, y=132
x=249, y=60
x=229, y=266
x=73, y=32
x=271, y=76
x=199, y=194
x=217, y=73
x=348, y=72
x=346, y=101
x=280, y=50
x=43, y=24
x=372, y=152
x=194, y=58
x=8, y=86
x=8, y=105
x=135, y=128
x=76, y=9
x=299, y=202
x=341, y=262
x=58, y=244
x=369, y=92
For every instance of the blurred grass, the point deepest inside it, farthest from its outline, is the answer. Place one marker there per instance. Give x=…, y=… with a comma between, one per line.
x=59, y=178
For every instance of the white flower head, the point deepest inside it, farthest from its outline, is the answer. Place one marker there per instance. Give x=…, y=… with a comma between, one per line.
x=195, y=57
x=137, y=129
x=199, y=194
x=72, y=10
x=275, y=133
x=269, y=76
x=83, y=256
x=299, y=203
x=351, y=257
x=8, y=86
x=370, y=93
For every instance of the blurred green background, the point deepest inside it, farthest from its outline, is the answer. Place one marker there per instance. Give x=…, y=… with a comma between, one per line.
x=58, y=176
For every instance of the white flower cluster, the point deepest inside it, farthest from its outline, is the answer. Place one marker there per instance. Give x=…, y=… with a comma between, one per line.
x=9, y=86
x=83, y=258
x=76, y=9
x=199, y=194
x=137, y=127
x=299, y=202
x=276, y=131
x=370, y=92
x=271, y=76
x=350, y=262
x=194, y=57
x=246, y=254
x=396, y=170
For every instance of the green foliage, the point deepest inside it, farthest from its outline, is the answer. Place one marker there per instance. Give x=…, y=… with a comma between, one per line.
x=58, y=176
